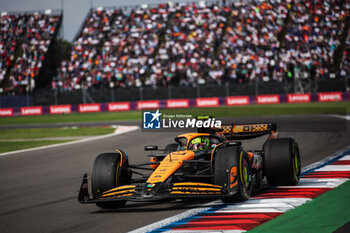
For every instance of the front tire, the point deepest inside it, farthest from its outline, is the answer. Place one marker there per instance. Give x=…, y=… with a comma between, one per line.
x=230, y=160
x=282, y=165
x=110, y=170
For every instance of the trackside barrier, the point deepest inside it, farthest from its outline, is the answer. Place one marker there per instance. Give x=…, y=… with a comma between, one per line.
x=333, y=96
x=5, y=112
x=299, y=98
x=60, y=109
x=237, y=100
x=207, y=102
x=268, y=99
x=148, y=104
x=33, y=110
x=176, y=103
x=118, y=106
x=89, y=108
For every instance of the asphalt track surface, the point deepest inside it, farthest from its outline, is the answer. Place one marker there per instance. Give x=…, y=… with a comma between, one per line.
x=39, y=188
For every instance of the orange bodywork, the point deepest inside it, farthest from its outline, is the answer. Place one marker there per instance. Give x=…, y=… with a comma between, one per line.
x=233, y=175
x=189, y=137
x=250, y=155
x=153, y=160
x=170, y=164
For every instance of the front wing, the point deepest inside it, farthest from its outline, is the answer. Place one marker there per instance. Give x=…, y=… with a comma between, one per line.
x=152, y=192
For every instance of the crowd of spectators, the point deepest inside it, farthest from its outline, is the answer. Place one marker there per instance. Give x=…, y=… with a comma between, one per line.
x=85, y=56
x=114, y=48
x=29, y=35
x=313, y=35
x=250, y=46
x=344, y=69
x=38, y=35
x=206, y=44
x=12, y=27
x=128, y=52
x=187, y=57
x=133, y=41
x=182, y=44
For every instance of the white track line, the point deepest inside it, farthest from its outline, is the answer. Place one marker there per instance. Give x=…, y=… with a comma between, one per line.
x=292, y=201
x=206, y=231
x=328, y=158
x=170, y=220
x=317, y=183
x=334, y=168
x=279, y=203
x=346, y=157
x=345, y=117
x=253, y=210
x=120, y=130
x=273, y=205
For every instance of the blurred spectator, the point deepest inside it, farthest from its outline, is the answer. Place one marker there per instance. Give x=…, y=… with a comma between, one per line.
x=344, y=71
x=114, y=48
x=313, y=35
x=12, y=27
x=187, y=57
x=80, y=69
x=33, y=33
x=132, y=41
x=39, y=32
x=189, y=44
x=250, y=45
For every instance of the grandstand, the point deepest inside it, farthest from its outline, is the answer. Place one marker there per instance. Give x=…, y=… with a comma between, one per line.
x=250, y=47
x=25, y=42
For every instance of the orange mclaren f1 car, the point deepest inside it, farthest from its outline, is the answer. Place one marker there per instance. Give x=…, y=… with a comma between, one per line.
x=208, y=164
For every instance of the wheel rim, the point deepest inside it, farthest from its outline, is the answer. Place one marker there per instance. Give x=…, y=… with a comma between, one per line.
x=296, y=165
x=296, y=162
x=246, y=172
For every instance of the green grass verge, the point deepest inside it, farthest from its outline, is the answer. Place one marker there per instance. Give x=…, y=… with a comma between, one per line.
x=13, y=146
x=53, y=132
x=324, y=214
x=249, y=110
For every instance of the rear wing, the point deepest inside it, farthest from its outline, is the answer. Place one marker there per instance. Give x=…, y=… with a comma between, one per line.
x=243, y=131
x=247, y=131
x=240, y=131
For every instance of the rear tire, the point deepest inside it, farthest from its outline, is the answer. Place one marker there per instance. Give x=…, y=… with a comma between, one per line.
x=227, y=157
x=109, y=172
x=282, y=164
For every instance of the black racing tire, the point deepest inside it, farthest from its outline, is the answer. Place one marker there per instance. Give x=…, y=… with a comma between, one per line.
x=108, y=172
x=171, y=147
x=282, y=164
x=225, y=158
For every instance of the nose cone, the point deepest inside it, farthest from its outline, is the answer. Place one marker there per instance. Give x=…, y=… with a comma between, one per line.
x=170, y=164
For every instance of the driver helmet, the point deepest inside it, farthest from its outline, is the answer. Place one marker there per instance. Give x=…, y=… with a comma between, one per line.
x=200, y=143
